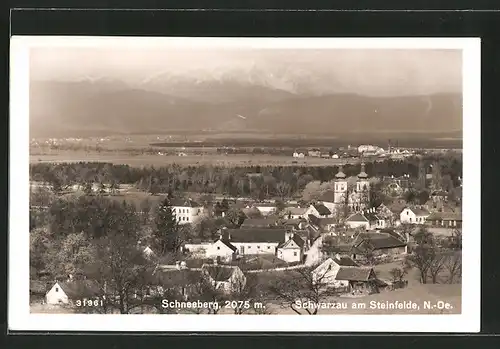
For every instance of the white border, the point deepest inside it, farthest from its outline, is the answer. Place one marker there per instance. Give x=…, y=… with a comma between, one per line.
x=19, y=317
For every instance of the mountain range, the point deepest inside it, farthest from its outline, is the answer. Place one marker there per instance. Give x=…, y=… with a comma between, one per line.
x=160, y=105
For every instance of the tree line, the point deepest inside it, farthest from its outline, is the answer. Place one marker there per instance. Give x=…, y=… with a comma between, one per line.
x=263, y=183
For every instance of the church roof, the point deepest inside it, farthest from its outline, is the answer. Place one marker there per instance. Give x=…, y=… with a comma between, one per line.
x=341, y=173
x=362, y=173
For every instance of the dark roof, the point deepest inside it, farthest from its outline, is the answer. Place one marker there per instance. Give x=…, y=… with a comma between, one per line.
x=419, y=211
x=341, y=248
x=297, y=239
x=80, y=288
x=322, y=209
x=444, y=216
x=357, y=217
x=219, y=272
x=259, y=222
x=295, y=210
x=254, y=235
x=345, y=261
x=183, y=203
x=376, y=241
x=175, y=277
x=325, y=221
x=352, y=273
x=230, y=245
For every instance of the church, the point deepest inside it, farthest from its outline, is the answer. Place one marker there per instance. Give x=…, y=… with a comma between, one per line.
x=355, y=197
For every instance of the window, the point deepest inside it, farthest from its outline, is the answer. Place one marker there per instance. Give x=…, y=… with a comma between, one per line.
x=268, y=247
x=57, y=289
x=295, y=254
x=410, y=220
x=258, y=247
x=249, y=246
x=178, y=219
x=218, y=247
x=407, y=213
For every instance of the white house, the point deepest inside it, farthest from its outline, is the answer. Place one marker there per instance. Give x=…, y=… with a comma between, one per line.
x=67, y=292
x=295, y=212
x=413, y=215
x=223, y=250
x=291, y=250
x=252, y=241
x=226, y=278
x=264, y=208
x=326, y=273
x=186, y=210
x=319, y=211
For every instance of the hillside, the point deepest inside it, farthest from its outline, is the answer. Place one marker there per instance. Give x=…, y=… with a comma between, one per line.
x=63, y=109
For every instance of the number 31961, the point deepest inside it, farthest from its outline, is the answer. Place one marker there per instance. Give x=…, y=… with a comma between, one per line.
x=89, y=303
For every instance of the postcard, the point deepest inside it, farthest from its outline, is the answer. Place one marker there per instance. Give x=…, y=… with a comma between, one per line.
x=175, y=184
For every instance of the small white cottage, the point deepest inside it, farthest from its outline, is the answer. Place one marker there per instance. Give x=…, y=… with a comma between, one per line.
x=67, y=292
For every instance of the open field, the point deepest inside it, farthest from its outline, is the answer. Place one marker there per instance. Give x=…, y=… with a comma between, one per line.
x=208, y=159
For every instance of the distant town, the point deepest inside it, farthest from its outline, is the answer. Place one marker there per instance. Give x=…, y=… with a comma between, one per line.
x=374, y=224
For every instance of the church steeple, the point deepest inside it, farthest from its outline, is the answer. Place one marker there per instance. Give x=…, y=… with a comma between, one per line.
x=362, y=174
x=340, y=174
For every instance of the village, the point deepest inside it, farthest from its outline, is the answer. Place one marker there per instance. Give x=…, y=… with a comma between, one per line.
x=338, y=243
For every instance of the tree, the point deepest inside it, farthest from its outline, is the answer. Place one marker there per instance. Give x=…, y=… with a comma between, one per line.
x=424, y=254
x=280, y=206
x=436, y=267
x=235, y=217
x=166, y=235
x=283, y=189
x=453, y=265
x=304, y=287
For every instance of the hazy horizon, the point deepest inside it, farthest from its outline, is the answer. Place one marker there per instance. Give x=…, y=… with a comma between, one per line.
x=290, y=91
x=373, y=72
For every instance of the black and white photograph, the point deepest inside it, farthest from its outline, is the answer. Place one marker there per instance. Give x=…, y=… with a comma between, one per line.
x=193, y=177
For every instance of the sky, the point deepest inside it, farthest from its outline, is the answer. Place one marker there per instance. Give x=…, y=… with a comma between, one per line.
x=384, y=72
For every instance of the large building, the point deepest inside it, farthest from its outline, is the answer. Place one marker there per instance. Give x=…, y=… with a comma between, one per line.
x=186, y=211
x=357, y=198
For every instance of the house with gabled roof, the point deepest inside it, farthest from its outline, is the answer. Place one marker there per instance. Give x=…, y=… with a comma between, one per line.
x=69, y=291
x=178, y=280
x=326, y=272
x=368, y=220
x=291, y=250
x=413, y=215
x=267, y=241
x=250, y=241
x=222, y=250
x=186, y=210
x=359, y=280
x=377, y=243
x=295, y=212
x=268, y=222
x=319, y=210
x=445, y=220
x=226, y=278
x=265, y=208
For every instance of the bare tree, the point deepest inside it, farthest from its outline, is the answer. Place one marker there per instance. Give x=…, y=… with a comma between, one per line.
x=424, y=255
x=436, y=267
x=302, y=287
x=453, y=265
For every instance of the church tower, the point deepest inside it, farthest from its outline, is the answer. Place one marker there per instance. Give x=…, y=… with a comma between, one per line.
x=340, y=192
x=363, y=188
